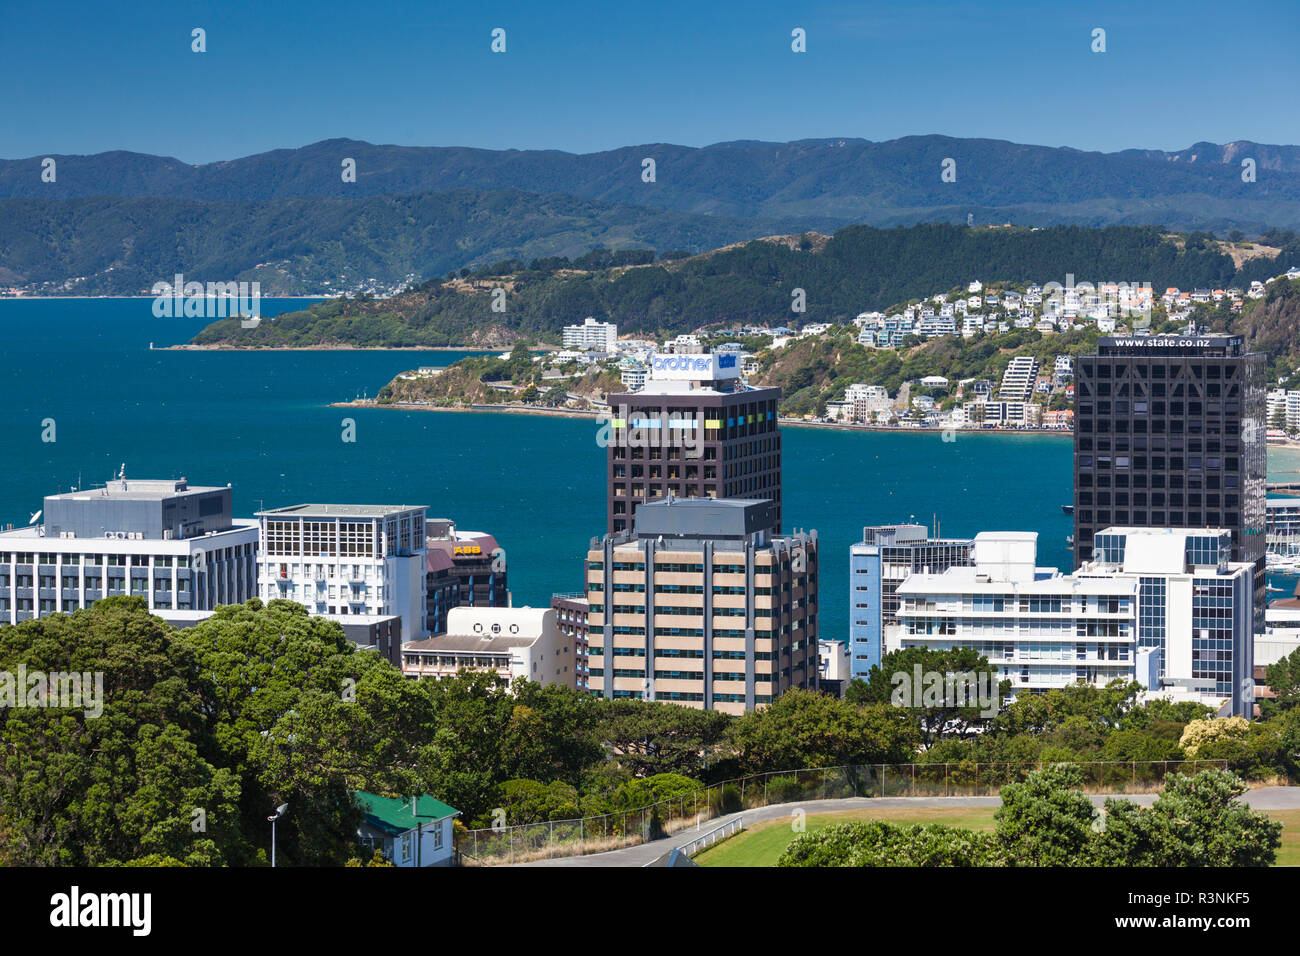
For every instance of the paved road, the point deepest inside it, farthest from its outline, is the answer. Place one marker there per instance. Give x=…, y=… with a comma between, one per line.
x=1265, y=798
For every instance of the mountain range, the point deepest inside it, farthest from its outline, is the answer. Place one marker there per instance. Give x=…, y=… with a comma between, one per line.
x=122, y=220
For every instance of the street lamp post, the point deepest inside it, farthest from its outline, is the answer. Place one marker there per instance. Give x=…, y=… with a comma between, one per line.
x=279, y=812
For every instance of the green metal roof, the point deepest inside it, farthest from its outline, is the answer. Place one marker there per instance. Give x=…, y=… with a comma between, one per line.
x=395, y=815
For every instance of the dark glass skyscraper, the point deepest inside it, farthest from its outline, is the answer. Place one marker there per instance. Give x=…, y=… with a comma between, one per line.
x=694, y=431
x=1169, y=432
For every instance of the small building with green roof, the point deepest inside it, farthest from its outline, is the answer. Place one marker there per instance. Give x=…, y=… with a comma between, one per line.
x=411, y=831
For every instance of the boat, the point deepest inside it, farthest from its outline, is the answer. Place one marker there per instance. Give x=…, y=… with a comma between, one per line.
x=1067, y=509
x=1069, y=539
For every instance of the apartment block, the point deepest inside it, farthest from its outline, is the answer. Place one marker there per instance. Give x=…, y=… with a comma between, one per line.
x=1165, y=607
x=572, y=617
x=885, y=558
x=345, y=561
x=1018, y=379
x=591, y=334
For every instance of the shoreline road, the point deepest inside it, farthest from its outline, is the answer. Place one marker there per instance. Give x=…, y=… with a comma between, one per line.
x=645, y=854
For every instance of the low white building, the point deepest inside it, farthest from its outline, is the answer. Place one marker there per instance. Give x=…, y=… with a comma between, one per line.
x=633, y=374
x=509, y=641
x=834, y=662
x=867, y=400
x=176, y=546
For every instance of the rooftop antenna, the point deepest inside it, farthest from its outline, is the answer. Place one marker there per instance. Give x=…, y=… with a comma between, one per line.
x=121, y=475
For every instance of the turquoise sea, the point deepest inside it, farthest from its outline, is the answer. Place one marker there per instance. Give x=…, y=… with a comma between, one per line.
x=260, y=421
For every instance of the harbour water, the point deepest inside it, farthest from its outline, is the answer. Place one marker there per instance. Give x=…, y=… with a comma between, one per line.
x=262, y=421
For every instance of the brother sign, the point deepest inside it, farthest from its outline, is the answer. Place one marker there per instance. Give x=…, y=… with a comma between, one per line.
x=695, y=367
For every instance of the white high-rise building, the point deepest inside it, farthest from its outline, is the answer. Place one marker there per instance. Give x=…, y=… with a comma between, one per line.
x=347, y=561
x=1288, y=402
x=1161, y=606
x=1018, y=380
x=593, y=335
x=866, y=400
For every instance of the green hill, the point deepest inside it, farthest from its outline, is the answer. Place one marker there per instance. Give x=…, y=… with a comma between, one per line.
x=859, y=268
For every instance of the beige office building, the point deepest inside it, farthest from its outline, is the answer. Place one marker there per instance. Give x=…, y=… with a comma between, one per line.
x=703, y=605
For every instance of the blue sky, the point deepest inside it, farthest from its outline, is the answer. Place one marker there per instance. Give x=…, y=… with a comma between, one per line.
x=596, y=74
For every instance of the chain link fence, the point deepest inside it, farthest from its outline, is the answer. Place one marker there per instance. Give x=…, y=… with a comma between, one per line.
x=610, y=831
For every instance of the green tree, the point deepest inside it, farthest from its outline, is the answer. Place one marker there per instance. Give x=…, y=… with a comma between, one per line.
x=1199, y=734
x=1283, y=678
x=551, y=733
x=305, y=718
x=805, y=729
x=894, y=681
x=1196, y=821
x=650, y=737
x=1102, y=708
x=1047, y=820
x=136, y=779
x=529, y=801
x=878, y=843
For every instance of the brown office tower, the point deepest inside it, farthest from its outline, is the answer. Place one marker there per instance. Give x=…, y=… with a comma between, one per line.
x=1169, y=433
x=694, y=431
x=703, y=605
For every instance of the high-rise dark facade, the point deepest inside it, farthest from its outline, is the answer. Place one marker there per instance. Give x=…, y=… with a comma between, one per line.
x=462, y=569
x=1169, y=432
x=697, y=434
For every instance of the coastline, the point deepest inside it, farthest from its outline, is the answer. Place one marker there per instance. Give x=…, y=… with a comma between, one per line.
x=187, y=347
x=597, y=413
x=53, y=298
x=513, y=409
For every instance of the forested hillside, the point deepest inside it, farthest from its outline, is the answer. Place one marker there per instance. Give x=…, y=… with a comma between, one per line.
x=296, y=246
x=858, y=268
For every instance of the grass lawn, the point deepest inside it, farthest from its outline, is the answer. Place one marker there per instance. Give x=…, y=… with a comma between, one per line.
x=1289, y=853
x=763, y=844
